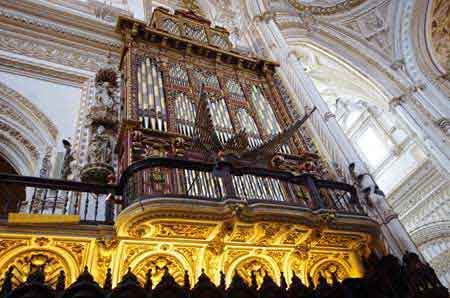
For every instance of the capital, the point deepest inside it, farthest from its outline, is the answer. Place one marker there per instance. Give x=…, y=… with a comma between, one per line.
x=396, y=101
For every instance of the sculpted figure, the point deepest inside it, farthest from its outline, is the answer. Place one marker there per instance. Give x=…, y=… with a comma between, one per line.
x=104, y=96
x=371, y=193
x=68, y=158
x=100, y=149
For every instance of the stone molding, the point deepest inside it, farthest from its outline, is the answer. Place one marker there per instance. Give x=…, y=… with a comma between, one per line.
x=342, y=6
x=59, y=28
x=44, y=51
x=431, y=231
x=13, y=133
x=19, y=100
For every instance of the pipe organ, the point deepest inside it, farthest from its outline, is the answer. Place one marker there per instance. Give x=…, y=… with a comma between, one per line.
x=167, y=62
x=151, y=97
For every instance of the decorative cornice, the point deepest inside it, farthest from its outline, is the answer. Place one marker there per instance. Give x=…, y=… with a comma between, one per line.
x=52, y=53
x=39, y=71
x=59, y=28
x=344, y=5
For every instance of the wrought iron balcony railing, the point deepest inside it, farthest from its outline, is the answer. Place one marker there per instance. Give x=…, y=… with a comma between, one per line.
x=35, y=195
x=174, y=178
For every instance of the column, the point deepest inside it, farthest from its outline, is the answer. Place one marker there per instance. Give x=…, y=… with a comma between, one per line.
x=299, y=82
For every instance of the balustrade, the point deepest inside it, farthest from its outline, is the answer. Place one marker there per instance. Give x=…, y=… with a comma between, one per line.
x=178, y=178
x=92, y=202
x=173, y=178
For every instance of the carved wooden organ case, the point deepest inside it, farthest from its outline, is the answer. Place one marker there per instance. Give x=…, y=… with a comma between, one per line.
x=165, y=63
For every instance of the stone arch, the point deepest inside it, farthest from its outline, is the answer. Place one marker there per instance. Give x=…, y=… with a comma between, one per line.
x=27, y=135
x=431, y=231
x=26, y=259
x=375, y=91
x=415, y=44
x=157, y=261
x=258, y=263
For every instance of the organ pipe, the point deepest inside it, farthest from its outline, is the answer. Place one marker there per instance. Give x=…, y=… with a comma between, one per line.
x=151, y=98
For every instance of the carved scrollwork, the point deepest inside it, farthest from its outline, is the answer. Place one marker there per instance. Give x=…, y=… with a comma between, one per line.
x=184, y=230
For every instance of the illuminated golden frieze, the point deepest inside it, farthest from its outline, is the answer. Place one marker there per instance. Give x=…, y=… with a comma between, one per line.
x=184, y=230
x=337, y=240
x=242, y=233
x=138, y=231
x=268, y=233
x=294, y=236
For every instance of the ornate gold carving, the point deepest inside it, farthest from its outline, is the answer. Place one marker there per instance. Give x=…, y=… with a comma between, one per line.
x=294, y=236
x=75, y=248
x=258, y=267
x=337, y=240
x=8, y=244
x=158, y=264
x=296, y=263
x=106, y=248
x=268, y=232
x=138, y=231
x=328, y=269
x=217, y=245
x=302, y=251
x=30, y=261
x=184, y=230
x=190, y=253
x=315, y=258
x=131, y=252
x=231, y=256
x=241, y=233
x=42, y=241
x=277, y=256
